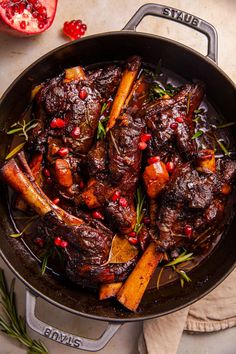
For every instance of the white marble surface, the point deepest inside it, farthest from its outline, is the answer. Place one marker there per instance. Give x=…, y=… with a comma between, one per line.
x=101, y=16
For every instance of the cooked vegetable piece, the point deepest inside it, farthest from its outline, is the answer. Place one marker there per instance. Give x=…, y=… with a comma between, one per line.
x=107, y=291
x=63, y=173
x=206, y=160
x=155, y=178
x=75, y=73
x=132, y=291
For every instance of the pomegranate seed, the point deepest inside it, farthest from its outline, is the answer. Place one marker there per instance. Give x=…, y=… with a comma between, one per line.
x=123, y=202
x=64, y=244
x=40, y=18
x=153, y=159
x=132, y=234
x=48, y=180
x=56, y=201
x=81, y=185
x=41, y=25
x=39, y=242
x=179, y=120
x=63, y=151
x=46, y=172
x=188, y=231
x=145, y=137
x=75, y=132
x=74, y=29
x=21, y=7
x=83, y=94
x=57, y=241
x=57, y=123
x=146, y=220
x=115, y=196
x=42, y=10
x=34, y=14
x=170, y=166
x=142, y=145
x=133, y=240
x=174, y=126
x=97, y=215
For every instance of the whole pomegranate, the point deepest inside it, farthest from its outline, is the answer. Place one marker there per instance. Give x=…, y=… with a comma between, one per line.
x=26, y=17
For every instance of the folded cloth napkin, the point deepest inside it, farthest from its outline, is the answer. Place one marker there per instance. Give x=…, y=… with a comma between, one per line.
x=214, y=312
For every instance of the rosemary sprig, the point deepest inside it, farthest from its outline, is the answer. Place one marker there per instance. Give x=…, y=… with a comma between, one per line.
x=183, y=257
x=15, y=151
x=101, y=132
x=26, y=227
x=140, y=198
x=197, y=134
x=13, y=324
x=22, y=128
x=161, y=91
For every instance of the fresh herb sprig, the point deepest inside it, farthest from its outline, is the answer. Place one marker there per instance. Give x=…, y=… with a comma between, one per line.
x=183, y=257
x=157, y=89
x=30, y=221
x=140, y=198
x=20, y=129
x=101, y=132
x=13, y=324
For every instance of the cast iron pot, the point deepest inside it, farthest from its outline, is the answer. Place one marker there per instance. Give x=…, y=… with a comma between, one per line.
x=95, y=49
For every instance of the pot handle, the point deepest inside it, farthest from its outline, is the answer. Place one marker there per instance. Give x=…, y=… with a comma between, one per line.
x=179, y=16
x=62, y=337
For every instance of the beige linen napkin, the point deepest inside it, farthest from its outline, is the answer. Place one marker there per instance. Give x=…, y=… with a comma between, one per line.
x=214, y=312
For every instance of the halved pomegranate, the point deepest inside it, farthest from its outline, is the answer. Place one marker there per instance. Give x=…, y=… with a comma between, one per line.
x=26, y=17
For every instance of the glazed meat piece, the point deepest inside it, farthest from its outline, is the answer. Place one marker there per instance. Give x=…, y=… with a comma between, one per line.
x=171, y=122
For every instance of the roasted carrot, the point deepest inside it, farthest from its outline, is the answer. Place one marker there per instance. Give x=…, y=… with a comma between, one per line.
x=124, y=89
x=131, y=293
x=75, y=73
x=109, y=290
x=155, y=178
x=63, y=173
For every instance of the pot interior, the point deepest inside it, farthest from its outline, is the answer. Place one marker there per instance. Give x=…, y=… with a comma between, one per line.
x=98, y=49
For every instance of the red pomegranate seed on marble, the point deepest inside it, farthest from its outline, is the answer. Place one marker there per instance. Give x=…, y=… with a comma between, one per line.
x=97, y=215
x=145, y=137
x=170, y=166
x=63, y=152
x=83, y=94
x=64, y=244
x=188, y=231
x=123, y=202
x=57, y=123
x=57, y=241
x=153, y=159
x=174, y=126
x=75, y=133
x=179, y=120
x=142, y=145
x=133, y=240
x=115, y=196
x=74, y=29
x=56, y=201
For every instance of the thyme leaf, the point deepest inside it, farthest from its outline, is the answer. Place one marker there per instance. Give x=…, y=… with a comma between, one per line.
x=140, y=198
x=13, y=324
x=197, y=134
x=183, y=257
x=226, y=125
x=15, y=151
x=23, y=128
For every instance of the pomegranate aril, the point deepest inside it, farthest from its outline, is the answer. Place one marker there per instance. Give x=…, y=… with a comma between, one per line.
x=153, y=159
x=174, y=126
x=145, y=137
x=74, y=29
x=39, y=242
x=57, y=241
x=75, y=133
x=132, y=234
x=21, y=7
x=64, y=244
x=123, y=202
x=81, y=185
x=97, y=215
x=57, y=123
x=56, y=201
x=83, y=94
x=188, y=231
x=63, y=152
x=46, y=172
x=146, y=220
x=115, y=196
x=48, y=180
x=142, y=145
x=179, y=120
x=170, y=166
x=83, y=26
x=41, y=25
x=133, y=240
x=23, y=24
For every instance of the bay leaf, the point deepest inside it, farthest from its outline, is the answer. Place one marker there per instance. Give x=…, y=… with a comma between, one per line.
x=121, y=250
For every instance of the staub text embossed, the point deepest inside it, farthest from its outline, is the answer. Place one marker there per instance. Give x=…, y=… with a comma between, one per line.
x=61, y=337
x=181, y=16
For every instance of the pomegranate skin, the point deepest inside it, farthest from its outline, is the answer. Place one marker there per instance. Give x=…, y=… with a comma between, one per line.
x=34, y=27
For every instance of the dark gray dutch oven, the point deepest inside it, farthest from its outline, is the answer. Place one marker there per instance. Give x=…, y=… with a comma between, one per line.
x=95, y=49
